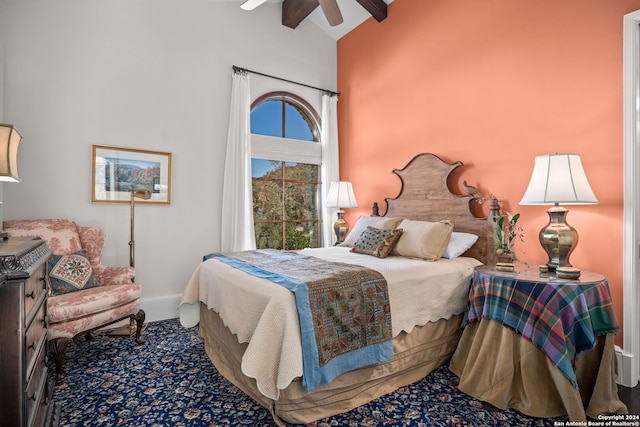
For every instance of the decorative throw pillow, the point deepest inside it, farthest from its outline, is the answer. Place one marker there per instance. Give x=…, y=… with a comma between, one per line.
x=376, y=242
x=363, y=222
x=70, y=273
x=423, y=239
x=459, y=244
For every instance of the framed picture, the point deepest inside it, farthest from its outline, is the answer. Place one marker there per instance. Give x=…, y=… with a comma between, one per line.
x=116, y=172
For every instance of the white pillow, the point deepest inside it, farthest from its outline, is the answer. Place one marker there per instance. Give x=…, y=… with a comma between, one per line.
x=423, y=239
x=380, y=222
x=459, y=244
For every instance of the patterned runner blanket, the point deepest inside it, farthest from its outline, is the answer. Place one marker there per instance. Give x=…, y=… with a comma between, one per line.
x=561, y=319
x=344, y=311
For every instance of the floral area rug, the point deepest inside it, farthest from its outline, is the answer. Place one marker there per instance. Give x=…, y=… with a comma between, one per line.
x=169, y=381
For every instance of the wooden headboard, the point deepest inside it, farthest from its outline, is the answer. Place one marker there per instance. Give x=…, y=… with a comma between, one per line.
x=425, y=196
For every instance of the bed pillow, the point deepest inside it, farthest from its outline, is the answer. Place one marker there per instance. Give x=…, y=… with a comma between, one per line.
x=377, y=242
x=381, y=222
x=423, y=239
x=459, y=244
x=70, y=273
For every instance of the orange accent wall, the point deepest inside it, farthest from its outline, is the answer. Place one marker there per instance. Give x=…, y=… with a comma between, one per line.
x=493, y=84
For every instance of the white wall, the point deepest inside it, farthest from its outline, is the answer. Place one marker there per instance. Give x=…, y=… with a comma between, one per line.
x=145, y=74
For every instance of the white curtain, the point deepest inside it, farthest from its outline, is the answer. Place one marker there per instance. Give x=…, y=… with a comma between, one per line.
x=330, y=162
x=237, y=232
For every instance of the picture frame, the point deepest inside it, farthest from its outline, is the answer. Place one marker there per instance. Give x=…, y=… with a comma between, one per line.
x=116, y=171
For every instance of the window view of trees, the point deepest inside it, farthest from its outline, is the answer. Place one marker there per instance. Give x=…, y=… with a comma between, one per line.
x=285, y=192
x=285, y=206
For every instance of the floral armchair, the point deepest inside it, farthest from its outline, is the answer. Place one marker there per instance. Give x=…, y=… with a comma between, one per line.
x=84, y=295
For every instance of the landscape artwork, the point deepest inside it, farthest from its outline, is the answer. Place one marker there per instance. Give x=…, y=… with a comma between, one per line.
x=116, y=172
x=123, y=174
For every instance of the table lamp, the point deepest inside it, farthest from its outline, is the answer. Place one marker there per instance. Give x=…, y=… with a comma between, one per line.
x=558, y=179
x=341, y=196
x=9, y=140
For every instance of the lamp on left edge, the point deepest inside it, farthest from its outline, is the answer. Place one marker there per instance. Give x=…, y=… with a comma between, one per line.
x=9, y=140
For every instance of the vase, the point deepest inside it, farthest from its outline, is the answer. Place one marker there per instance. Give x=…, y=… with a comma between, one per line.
x=506, y=257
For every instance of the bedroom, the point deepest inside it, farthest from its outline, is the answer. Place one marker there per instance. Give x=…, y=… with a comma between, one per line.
x=525, y=79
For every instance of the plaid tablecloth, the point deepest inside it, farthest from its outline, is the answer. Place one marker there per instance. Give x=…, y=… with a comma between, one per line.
x=561, y=317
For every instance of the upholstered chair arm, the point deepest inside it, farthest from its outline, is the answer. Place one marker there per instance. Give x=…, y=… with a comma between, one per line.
x=116, y=276
x=92, y=240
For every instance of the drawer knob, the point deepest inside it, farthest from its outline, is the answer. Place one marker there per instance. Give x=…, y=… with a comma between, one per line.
x=32, y=346
x=34, y=396
x=32, y=295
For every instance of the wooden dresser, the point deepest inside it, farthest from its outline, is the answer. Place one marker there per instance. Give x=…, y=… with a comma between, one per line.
x=27, y=393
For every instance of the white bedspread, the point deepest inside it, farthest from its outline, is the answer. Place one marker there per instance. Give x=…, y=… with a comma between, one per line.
x=264, y=314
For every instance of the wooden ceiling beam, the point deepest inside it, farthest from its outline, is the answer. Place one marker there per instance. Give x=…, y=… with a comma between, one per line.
x=377, y=8
x=294, y=11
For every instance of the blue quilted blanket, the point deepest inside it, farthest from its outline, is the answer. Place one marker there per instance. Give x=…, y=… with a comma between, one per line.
x=344, y=311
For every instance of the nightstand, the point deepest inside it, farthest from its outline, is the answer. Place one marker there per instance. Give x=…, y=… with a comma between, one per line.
x=539, y=344
x=27, y=392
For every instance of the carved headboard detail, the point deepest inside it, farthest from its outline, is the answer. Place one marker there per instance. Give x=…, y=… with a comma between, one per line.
x=425, y=196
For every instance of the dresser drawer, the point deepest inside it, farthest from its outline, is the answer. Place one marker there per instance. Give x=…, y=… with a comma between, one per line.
x=34, y=286
x=35, y=339
x=36, y=387
x=26, y=398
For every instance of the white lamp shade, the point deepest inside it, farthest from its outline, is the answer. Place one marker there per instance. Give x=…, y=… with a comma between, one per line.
x=558, y=179
x=9, y=140
x=341, y=195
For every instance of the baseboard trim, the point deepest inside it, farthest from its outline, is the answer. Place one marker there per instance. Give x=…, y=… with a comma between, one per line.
x=625, y=369
x=161, y=308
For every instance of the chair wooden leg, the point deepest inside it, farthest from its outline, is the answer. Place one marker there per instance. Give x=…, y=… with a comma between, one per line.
x=139, y=318
x=57, y=347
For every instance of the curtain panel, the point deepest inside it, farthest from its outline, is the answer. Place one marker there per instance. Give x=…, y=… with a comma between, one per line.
x=237, y=232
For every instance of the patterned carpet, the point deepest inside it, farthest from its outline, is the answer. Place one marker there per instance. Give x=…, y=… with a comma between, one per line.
x=170, y=382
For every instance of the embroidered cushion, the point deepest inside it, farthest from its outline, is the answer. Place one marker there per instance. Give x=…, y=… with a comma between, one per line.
x=363, y=222
x=69, y=273
x=377, y=242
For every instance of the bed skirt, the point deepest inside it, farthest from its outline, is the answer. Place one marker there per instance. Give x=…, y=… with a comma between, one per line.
x=520, y=376
x=415, y=355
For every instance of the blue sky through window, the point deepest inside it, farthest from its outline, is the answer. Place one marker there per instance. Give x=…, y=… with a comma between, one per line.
x=266, y=119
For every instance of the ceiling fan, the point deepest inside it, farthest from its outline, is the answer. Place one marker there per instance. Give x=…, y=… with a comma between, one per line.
x=329, y=8
x=294, y=11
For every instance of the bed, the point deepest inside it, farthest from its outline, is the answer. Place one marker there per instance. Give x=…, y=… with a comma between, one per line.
x=251, y=327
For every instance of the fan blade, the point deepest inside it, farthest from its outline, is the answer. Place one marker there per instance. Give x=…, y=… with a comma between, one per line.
x=331, y=11
x=251, y=4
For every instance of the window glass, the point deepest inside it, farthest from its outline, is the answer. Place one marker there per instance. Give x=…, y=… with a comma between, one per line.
x=285, y=192
x=267, y=119
x=296, y=124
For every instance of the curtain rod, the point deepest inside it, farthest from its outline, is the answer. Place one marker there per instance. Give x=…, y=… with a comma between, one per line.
x=240, y=69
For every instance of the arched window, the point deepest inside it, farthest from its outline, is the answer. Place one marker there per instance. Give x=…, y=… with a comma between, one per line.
x=285, y=167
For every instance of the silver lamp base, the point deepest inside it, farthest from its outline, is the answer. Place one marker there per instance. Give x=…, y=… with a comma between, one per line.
x=340, y=227
x=558, y=238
